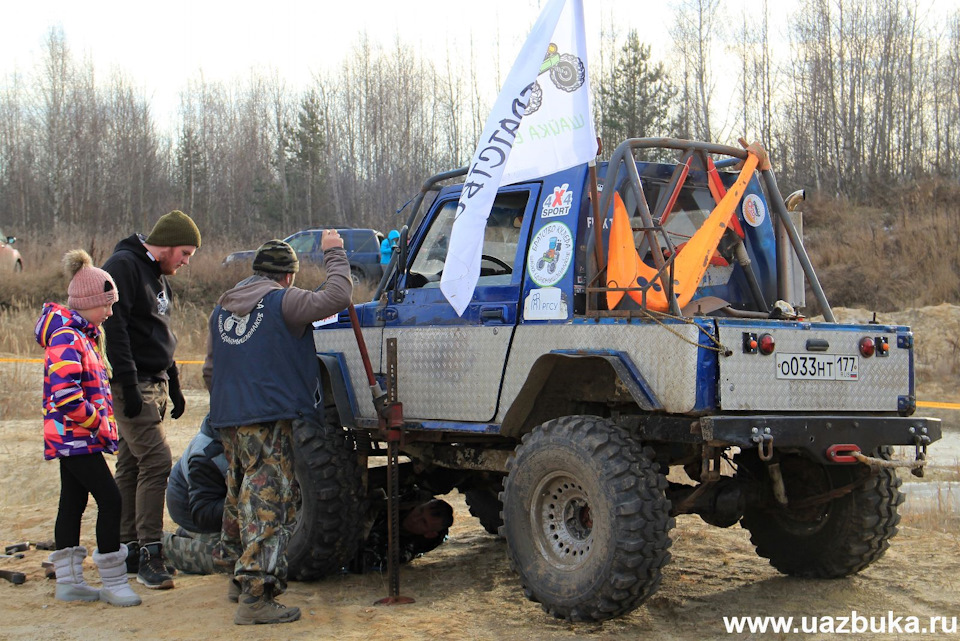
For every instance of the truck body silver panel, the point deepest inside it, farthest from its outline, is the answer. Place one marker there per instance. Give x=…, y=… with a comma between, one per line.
x=664, y=355
x=749, y=382
x=444, y=373
x=343, y=342
x=449, y=373
x=453, y=373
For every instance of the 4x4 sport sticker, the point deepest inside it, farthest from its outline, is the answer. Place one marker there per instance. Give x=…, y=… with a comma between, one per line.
x=550, y=254
x=558, y=203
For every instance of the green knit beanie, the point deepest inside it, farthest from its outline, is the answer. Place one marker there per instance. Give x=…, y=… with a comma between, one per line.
x=174, y=229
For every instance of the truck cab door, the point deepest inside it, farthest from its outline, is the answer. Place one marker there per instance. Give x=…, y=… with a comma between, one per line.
x=450, y=367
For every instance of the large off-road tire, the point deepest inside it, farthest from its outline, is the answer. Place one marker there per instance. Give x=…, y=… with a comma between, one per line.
x=586, y=519
x=829, y=539
x=485, y=505
x=326, y=531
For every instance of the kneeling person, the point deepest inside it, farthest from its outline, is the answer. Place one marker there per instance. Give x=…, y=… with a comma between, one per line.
x=196, y=491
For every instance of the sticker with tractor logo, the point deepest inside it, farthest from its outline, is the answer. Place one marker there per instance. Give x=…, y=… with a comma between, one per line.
x=558, y=203
x=753, y=210
x=550, y=255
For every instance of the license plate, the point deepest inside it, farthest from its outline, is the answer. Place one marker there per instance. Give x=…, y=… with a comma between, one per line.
x=818, y=367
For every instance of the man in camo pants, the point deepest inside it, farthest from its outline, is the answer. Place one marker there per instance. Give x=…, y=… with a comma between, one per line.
x=262, y=372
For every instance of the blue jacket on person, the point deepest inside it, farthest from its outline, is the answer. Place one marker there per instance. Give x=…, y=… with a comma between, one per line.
x=387, y=245
x=197, y=484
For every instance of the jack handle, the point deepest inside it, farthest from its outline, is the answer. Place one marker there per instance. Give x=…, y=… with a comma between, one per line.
x=379, y=395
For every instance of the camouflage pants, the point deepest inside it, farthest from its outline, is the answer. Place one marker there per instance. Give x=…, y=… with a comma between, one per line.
x=194, y=552
x=259, y=509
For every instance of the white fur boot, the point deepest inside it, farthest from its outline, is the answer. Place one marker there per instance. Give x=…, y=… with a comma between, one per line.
x=116, y=589
x=70, y=584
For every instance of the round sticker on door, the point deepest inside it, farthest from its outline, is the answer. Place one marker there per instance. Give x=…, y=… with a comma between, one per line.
x=550, y=254
x=753, y=210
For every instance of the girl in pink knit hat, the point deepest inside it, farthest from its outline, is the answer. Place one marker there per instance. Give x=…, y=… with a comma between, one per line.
x=78, y=427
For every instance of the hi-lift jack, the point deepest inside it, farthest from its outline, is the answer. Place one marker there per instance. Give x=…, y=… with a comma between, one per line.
x=390, y=413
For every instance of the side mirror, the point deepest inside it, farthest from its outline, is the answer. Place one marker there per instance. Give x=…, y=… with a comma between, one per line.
x=402, y=246
x=401, y=262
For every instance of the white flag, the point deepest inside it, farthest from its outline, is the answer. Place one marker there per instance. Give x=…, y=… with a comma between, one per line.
x=541, y=123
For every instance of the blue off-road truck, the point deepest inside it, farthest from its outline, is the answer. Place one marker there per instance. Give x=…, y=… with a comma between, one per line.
x=661, y=332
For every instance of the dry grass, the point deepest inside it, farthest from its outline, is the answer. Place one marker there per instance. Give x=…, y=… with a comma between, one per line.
x=21, y=390
x=196, y=289
x=889, y=255
x=937, y=512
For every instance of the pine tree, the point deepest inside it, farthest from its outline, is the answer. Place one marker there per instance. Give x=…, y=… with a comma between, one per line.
x=635, y=97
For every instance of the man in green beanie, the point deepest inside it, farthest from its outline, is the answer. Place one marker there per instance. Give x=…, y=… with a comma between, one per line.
x=140, y=349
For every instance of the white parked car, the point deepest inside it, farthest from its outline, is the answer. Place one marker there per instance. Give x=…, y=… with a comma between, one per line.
x=10, y=259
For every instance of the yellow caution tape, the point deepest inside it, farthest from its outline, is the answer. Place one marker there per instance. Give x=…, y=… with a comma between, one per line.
x=40, y=360
x=934, y=404
x=939, y=405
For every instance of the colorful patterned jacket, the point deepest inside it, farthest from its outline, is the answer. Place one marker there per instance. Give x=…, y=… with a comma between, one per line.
x=77, y=404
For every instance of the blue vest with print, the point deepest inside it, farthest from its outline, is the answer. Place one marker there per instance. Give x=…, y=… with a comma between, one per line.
x=261, y=372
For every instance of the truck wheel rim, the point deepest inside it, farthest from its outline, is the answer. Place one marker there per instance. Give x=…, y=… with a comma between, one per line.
x=561, y=520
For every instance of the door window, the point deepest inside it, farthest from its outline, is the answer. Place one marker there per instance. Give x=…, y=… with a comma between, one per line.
x=499, y=255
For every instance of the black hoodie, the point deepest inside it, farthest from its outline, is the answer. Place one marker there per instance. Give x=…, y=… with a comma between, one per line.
x=140, y=341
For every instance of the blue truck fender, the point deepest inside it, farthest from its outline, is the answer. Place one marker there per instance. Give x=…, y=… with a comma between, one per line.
x=334, y=382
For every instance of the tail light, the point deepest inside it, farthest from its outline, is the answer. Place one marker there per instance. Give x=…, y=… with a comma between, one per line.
x=867, y=346
x=766, y=344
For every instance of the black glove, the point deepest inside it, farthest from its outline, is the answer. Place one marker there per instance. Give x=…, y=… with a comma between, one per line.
x=179, y=403
x=132, y=401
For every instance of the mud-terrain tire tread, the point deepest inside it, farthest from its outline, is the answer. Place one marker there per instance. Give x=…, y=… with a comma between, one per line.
x=637, y=515
x=326, y=533
x=858, y=532
x=485, y=505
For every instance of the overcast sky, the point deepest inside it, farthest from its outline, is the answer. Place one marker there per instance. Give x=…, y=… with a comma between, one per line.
x=162, y=45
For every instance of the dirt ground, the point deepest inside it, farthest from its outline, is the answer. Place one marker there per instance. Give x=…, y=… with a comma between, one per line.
x=465, y=589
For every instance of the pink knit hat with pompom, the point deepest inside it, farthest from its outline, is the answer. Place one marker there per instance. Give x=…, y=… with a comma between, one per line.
x=89, y=286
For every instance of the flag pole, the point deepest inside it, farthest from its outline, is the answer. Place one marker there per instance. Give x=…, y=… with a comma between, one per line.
x=595, y=206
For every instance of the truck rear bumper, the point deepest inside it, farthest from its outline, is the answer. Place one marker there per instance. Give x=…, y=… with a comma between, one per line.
x=818, y=434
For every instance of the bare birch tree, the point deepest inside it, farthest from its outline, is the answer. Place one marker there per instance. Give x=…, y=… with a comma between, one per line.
x=694, y=30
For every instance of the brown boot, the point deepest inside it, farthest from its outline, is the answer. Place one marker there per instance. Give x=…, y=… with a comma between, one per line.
x=263, y=609
x=233, y=591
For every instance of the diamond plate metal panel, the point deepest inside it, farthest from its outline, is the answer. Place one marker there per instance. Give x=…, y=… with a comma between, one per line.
x=444, y=373
x=450, y=373
x=344, y=342
x=666, y=357
x=749, y=381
